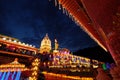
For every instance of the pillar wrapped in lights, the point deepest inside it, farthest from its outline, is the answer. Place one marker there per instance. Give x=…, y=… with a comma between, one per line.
x=35, y=69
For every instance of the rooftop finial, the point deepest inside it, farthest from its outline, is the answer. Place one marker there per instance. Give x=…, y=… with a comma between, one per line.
x=56, y=44
x=46, y=34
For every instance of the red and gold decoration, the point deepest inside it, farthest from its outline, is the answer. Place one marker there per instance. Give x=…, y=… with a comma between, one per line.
x=13, y=66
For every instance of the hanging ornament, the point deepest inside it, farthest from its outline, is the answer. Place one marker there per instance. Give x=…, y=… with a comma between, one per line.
x=63, y=10
x=69, y=15
x=55, y=2
x=72, y=18
x=66, y=12
x=76, y=22
x=59, y=7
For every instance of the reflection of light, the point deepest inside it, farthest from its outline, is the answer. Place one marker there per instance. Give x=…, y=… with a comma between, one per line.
x=8, y=73
x=0, y=74
x=18, y=75
x=3, y=76
x=13, y=75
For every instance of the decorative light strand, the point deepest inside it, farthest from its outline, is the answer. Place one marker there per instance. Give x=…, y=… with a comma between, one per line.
x=35, y=69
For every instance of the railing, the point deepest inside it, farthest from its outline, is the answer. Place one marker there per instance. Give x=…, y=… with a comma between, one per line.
x=13, y=50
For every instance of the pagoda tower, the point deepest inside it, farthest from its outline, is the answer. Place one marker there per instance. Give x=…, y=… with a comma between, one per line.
x=45, y=45
x=56, y=46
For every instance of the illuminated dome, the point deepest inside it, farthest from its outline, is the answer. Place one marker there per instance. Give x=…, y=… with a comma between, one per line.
x=45, y=45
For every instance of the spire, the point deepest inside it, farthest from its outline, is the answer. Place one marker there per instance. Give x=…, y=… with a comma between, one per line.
x=55, y=40
x=56, y=44
x=46, y=35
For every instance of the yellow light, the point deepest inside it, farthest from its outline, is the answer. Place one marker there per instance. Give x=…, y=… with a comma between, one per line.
x=34, y=73
x=69, y=77
x=44, y=63
x=4, y=38
x=36, y=60
x=13, y=69
x=35, y=68
x=48, y=63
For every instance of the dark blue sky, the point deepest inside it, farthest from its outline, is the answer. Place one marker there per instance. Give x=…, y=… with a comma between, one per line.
x=30, y=20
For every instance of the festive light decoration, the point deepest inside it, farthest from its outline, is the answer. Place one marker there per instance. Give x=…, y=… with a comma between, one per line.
x=66, y=76
x=7, y=75
x=63, y=58
x=3, y=76
x=63, y=5
x=14, y=74
x=13, y=66
x=9, y=41
x=18, y=75
x=95, y=63
x=10, y=75
x=35, y=69
x=106, y=66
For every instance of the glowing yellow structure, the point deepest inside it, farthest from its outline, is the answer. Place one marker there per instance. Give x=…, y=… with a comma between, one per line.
x=56, y=47
x=45, y=45
x=64, y=77
x=56, y=44
x=35, y=69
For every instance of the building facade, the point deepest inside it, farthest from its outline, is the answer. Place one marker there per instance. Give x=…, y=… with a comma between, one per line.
x=45, y=46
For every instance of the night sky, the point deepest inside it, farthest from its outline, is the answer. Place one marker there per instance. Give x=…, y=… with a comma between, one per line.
x=30, y=20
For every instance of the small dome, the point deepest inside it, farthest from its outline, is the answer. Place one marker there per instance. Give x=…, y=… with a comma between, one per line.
x=45, y=44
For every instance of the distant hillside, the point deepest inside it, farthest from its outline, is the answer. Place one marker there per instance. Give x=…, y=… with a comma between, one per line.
x=95, y=53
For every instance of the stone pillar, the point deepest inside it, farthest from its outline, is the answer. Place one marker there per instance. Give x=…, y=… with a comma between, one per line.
x=115, y=73
x=114, y=47
x=102, y=75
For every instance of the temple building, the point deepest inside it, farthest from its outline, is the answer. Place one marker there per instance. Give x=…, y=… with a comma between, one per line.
x=100, y=19
x=55, y=63
x=61, y=57
x=45, y=45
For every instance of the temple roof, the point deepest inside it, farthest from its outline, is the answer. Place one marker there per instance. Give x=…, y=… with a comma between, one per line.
x=94, y=17
x=13, y=66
